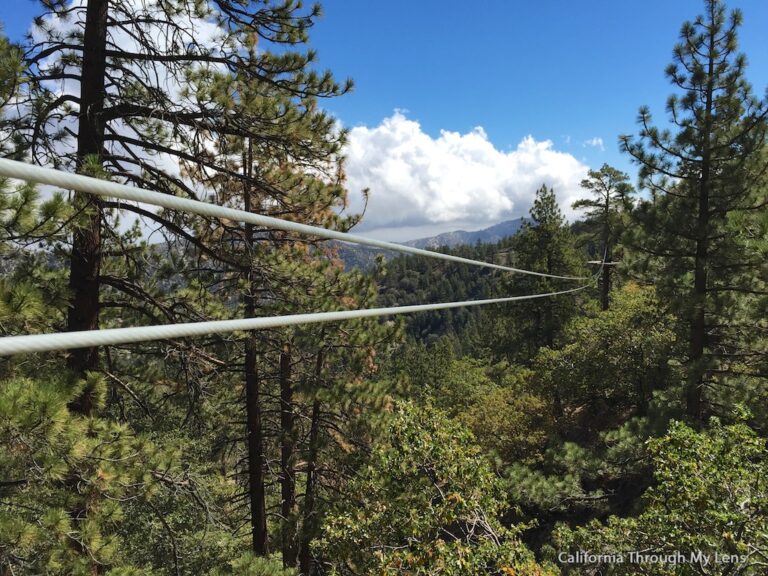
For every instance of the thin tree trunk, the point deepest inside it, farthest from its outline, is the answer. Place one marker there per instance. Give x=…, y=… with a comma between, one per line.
x=605, y=288
x=256, y=466
x=85, y=262
x=697, y=339
x=255, y=433
x=287, y=472
x=549, y=342
x=549, y=303
x=643, y=386
x=308, y=521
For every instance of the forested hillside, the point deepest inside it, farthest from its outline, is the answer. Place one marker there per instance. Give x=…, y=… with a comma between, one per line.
x=617, y=429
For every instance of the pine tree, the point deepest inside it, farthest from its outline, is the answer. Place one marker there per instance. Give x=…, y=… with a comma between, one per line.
x=132, y=116
x=545, y=244
x=74, y=489
x=610, y=190
x=706, y=178
x=151, y=104
x=288, y=375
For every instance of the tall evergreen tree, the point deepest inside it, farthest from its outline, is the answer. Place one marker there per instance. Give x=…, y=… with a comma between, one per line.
x=106, y=82
x=706, y=176
x=272, y=273
x=545, y=244
x=161, y=84
x=610, y=190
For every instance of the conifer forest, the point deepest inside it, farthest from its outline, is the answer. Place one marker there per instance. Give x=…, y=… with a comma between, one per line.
x=619, y=429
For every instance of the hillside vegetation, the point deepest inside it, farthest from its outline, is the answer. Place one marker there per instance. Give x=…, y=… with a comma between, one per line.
x=619, y=429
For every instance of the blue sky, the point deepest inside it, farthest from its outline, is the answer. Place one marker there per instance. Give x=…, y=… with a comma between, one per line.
x=460, y=111
x=551, y=68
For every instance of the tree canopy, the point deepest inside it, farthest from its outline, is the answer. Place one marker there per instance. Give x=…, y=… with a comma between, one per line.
x=625, y=418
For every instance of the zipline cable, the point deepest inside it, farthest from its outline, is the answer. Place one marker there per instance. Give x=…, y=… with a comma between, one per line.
x=87, y=184
x=91, y=338
x=113, y=336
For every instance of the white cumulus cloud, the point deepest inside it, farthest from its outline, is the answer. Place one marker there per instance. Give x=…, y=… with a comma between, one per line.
x=420, y=184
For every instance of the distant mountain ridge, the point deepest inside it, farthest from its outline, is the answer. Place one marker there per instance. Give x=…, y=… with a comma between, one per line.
x=490, y=235
x=363, y=257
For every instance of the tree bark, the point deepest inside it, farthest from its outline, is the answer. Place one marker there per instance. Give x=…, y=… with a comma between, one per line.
x=85, y=262
x=307, y=525
x=697, y=336
x=605, y=288
x=256, y=489
x=287, y=472
x=254, y=432
x=698, y=328
x=308, y=520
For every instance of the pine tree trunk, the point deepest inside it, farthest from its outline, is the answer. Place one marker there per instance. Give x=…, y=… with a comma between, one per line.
x=308, y=519
x=307, y=525
x=256, y=466
x=697, y=339
x=549, y=303
x=85, y=262
x=287, y=472
x=254, y=430
x=605, y=288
